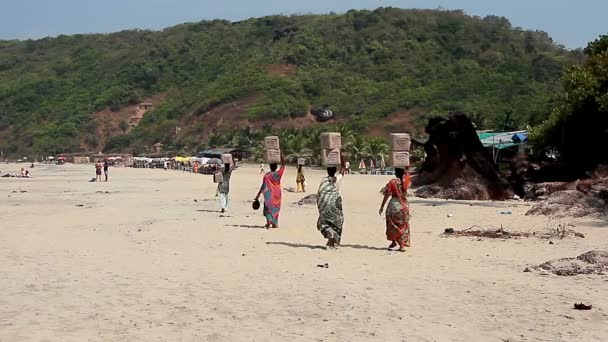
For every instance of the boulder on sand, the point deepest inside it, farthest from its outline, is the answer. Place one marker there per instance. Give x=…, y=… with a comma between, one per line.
x=308, y=200
x=588, y=197
x=457, y=165
x=592, y=262
x=569, y=203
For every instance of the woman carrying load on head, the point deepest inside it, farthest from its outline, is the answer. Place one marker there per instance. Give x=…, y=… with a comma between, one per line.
x=271, y=188
x=223, y=187
x=397, y=211
x=329, y=203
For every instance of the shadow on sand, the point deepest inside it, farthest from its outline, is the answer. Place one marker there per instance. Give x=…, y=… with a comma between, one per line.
x=439, y=203
x=301, y=245
x=244, y=226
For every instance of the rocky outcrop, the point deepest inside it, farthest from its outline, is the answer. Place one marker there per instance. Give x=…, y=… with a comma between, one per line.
x=588, y=197
x=592, y=262
x=457, y=165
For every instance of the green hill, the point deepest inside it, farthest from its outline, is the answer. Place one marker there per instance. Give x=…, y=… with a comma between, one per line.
x=376, y=70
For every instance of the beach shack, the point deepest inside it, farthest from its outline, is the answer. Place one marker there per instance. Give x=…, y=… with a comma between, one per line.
x=505, y=145
x=238, y=154
x=82, y=159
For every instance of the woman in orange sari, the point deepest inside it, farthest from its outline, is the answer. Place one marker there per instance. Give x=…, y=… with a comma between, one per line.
x=397, y=211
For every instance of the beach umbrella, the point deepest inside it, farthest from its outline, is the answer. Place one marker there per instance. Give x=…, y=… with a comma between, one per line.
x=371, y=164
x=382, y=162
x=362, y=165
x=214, y=161
x=62, y=158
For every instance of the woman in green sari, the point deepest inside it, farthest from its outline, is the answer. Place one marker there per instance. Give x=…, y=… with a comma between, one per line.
x=329, y=203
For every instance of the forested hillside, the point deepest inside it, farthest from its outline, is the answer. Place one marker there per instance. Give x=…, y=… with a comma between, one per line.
x=365, y=66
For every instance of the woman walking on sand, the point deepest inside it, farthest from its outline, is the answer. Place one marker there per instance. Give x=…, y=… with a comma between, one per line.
x=300, y=180
x=271, y=188
x=98, y=167
x=223, y=188
x=329, y=203
x=397, y=211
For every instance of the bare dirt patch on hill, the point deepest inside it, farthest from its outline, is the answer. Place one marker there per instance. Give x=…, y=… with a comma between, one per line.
x=108, y=121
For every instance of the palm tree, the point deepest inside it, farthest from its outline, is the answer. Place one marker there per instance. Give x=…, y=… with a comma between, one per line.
x=257, y=152
x=312, y=143
x=355, y=145
x=292, y=144
x=344, y=131
x=375, y=148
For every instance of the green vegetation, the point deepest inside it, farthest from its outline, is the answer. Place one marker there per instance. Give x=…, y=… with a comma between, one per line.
x=297, y=143
x=578, y=124
x=363, y=65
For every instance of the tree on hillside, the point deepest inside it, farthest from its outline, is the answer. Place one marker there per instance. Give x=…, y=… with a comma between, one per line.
x=578, y=124
x=362, y=65
x=123, y=125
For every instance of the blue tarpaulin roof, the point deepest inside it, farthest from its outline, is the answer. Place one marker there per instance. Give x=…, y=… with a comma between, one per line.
x=500, y=140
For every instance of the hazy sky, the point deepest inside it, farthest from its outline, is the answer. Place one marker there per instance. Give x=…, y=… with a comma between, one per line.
x=572, y=23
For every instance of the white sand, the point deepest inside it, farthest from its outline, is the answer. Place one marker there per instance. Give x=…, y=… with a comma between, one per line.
x=145, y=262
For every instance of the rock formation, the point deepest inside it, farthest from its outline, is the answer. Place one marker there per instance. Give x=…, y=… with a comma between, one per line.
x=457, y=165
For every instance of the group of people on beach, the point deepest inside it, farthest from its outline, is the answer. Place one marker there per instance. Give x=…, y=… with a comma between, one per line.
x=329, y=201
x=98, y=167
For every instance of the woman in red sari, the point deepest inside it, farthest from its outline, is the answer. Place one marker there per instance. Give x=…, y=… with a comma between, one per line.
x=397, y=211
x=271, y=188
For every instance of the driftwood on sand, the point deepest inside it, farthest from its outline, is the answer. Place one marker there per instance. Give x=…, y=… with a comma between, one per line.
x=560, y=232
x=476, y=231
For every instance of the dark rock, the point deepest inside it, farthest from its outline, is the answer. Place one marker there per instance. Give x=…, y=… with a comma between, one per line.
x=457, y=165
x=592, y=262
x=310, y=199
x=582, y=306
x=569, y=203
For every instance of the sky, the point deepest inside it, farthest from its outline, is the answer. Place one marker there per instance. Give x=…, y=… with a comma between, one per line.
x=568, y=22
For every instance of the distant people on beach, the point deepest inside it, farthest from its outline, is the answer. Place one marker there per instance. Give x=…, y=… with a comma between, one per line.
x=223, y=188
x=347, y=167
x=300, y=180
x=329, y=204
x=397, y=211
x=25, y=173
x=106, y=165
x=271, y=189
x=262, y=168
x=98, y=167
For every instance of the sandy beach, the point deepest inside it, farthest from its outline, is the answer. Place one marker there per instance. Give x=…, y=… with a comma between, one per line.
x=148, y=257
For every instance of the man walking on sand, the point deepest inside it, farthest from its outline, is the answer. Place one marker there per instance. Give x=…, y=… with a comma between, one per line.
x=105, y=168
